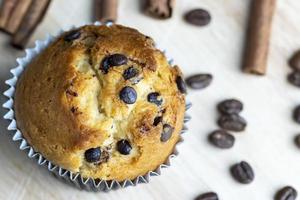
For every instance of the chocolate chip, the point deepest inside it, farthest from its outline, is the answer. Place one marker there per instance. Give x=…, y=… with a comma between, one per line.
x=208, y=196
x=242, y=172
x=294, y=78
x=113, y=60
x=198, y=17
x=296, y=114
x=199, y=81
x=124, y=147
x=73, y=35
x=286, y=193
x=166, y=133
x=157, y=120
x=180, y=84
x=294, y=61
x=93, y=155
x=128, y=95
x=232, y=122
x=130, y=72
x=221, y=139
x=154, y=97
x=230, y=106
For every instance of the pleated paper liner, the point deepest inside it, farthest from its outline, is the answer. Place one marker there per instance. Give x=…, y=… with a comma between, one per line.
x=74, y=179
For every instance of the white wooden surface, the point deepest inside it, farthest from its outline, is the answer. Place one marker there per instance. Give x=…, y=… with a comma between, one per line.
x=267, y=143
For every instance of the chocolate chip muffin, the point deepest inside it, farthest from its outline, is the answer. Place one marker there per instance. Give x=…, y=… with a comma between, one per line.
x=102, y=101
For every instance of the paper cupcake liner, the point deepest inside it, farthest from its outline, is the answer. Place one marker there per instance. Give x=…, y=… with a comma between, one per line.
x=74, y=179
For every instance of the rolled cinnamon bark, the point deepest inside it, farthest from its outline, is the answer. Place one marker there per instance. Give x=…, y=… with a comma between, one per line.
x=106, y=10
x=258, y=36
x=33, y=17
x=161, y=9
x=17, y=15
x=7, y=7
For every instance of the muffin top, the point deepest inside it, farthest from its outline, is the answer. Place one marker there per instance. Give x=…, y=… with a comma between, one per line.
x=101, y=101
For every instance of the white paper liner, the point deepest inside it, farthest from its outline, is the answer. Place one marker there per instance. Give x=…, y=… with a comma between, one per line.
x=74, y=179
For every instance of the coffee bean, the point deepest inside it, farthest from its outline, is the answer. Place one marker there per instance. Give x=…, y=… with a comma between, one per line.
x=232, y=122
x=128, y=95
x=124, y=147
x=198, y=17
x=242, y=172
x=180, y=85
x=294, y=61
x=296, y=114
x=166, y=133
x=113, y=60
x=294, y=78
x=230, y=106
x=297, y=140
x=286, y=193
x=221, y=139
x=154, y=97
x=157, y=120
x=208, y=196
x=73, y=35
x=93, y=155
x=130, y=73
x=199, y=81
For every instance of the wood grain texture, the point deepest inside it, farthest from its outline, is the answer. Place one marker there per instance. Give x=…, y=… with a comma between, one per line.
x=267, y=143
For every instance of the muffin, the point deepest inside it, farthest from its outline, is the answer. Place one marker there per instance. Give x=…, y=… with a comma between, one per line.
x=102, y=102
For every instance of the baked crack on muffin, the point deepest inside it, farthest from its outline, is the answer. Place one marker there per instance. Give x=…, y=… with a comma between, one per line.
x=102, y=101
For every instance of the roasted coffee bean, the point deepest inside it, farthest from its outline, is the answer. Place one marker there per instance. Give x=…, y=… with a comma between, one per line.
x=286, y=193
x=124, y=147
x=242, y=172
x=199, y=81
x=157, y=120
x=180, y=84
x=113, y=60
x=93, y=155
x=296, y=114
x=128, y=95
x=198, y=17
x=166, y=133
x=221, y=139
x=154, y=97
x=130, y=73
x=73, y=35
x=208, y=196
x=294, y=78
x=294, y=61
x=232, y=122
x=297, y=140
x=230, y=106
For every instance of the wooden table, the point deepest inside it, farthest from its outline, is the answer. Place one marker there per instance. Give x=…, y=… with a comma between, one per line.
x=267, y=143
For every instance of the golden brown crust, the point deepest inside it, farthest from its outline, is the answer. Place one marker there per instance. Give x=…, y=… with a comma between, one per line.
x=66, y=105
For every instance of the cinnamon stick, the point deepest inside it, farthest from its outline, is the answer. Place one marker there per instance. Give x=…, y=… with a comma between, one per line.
x=106, y=10
x=161, y=9
x=17, y=15
x=7, y=7
x=33, y=17
x=258, y=36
